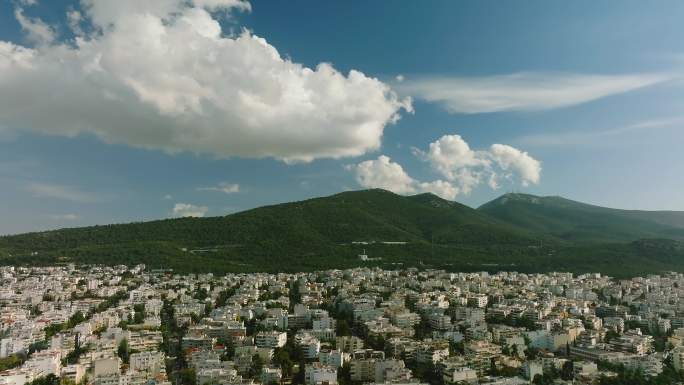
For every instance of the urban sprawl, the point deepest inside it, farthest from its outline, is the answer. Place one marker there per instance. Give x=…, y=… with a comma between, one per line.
x=132, y=326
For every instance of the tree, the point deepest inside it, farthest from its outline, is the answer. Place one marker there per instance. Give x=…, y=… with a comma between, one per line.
x=139, y=315
x=514, y=350
x=37, y=346
x=187, y=376
x=456, y=348
x=75, y=319
x=124, y=351
x=567, y=372
x=282, y=358
x=343, y=328
x=538, y=379
x=344, y=375
x=11, y=362
x=50, y=379
x=256, y=367
x=610, y=335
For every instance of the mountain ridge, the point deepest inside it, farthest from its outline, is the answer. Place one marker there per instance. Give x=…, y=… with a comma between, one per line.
x=577, y=221
x=422, y=230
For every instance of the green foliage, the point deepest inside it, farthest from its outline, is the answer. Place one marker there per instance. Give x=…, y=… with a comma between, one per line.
x=74, y=320
x=287, y=357
x=73, y=356
x=422, y=329
x=10, y=362
x=580, y=222
x=427, y=372
x=509, y=320
x=516, y=232
x=187, y=376
x=343, y=328
x=139, y=314
x=124, y=351
x=38, y=346
x=256, y=367
x=201, y=294
x=281, y=357
x=50, y=379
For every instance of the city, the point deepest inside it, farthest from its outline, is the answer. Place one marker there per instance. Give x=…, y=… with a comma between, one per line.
x=132, y=326
x=308, y=192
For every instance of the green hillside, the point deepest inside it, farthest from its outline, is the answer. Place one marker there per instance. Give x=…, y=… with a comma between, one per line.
x=315, y=233
x=521, y=233
x=580, y=222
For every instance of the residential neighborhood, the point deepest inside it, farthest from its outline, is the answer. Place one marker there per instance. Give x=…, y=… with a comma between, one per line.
x=133, y=326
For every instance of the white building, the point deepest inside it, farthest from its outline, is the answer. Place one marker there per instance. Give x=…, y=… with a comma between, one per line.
x=150, y=362
x=272, y=339
x=334, y=358
x=317, y=373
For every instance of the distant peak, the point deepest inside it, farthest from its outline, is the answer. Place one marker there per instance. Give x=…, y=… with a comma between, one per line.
x=519, y=197
x=366, y=191
x=428, y=195
x=432, y=200
x=550, y=200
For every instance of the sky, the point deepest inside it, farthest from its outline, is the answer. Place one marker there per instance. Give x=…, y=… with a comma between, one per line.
x=124, y=111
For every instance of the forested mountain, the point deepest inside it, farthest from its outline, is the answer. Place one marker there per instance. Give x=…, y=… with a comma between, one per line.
x=514, y=232
x=580, y=222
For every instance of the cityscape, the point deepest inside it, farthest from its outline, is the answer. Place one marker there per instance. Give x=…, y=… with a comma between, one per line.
x=130, y=325
x=341, y=192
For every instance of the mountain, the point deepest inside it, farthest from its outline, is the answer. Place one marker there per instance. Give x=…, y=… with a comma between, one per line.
x=514, y=232
x=316, y=233
x=580, y=222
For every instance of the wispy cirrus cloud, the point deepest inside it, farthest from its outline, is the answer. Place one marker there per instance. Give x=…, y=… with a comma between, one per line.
x=525, y=91
x=224, y=187
x=37, y=31
x=593, y=137
x=65, y=217
x=57, y=191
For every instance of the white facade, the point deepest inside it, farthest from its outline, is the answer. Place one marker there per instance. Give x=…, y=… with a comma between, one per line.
x=318, y=373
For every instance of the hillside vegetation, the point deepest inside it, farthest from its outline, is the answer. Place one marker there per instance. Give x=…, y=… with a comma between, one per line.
x=580, y=222
x=514, y=232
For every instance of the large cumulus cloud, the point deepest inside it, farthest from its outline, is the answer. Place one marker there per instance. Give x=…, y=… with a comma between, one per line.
x=452, y=157
x=461, y=169
x=161, y=74
x=385, y=174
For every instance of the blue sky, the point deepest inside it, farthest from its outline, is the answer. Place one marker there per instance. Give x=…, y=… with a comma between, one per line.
x=583, y=98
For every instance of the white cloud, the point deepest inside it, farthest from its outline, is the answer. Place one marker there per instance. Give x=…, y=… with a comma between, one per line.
x=453, y=158
x=224, y=187
x=68, y=193
x=462, y=168
x=167, y=197
x=385, y=174
x=161, y=74
x=512, y=160
x=65, y=217
x=523, y=91
x=189, y=210
x=595, y=137
x=223, y=4
x=37, y=32
x=74, y=19
x=441, y=188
